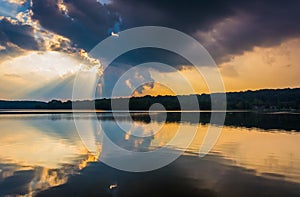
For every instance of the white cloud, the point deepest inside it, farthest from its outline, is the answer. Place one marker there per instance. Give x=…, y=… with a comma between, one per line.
x=2, y=48
x=128, y=84
x=19, y=2
x=114, y=34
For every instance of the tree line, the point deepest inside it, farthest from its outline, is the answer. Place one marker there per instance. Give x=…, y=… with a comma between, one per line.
x=267, y=99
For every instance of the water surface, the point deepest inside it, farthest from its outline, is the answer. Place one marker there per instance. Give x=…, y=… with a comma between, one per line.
x=42, y=154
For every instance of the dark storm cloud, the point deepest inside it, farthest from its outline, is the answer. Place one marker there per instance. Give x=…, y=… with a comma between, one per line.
x=17, y=34
x=144, y=55
x=253, y=23
x=225, y=28
x=88, y=22
x=256, y=24
x=85, y=23
x=187, y=16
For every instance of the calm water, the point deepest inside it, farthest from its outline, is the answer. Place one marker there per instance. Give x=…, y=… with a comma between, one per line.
x=256, y=154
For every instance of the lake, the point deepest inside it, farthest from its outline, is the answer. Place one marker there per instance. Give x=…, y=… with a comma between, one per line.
x=42, y=154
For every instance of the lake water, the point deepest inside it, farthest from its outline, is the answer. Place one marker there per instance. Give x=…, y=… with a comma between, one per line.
x=42, y=154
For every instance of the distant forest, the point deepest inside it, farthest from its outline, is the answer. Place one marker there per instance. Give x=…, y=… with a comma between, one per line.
x=268, y=99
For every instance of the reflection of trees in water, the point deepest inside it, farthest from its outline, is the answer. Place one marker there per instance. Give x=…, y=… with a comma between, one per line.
x=288, y=122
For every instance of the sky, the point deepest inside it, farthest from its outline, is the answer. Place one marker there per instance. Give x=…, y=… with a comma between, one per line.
x=255, y=44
